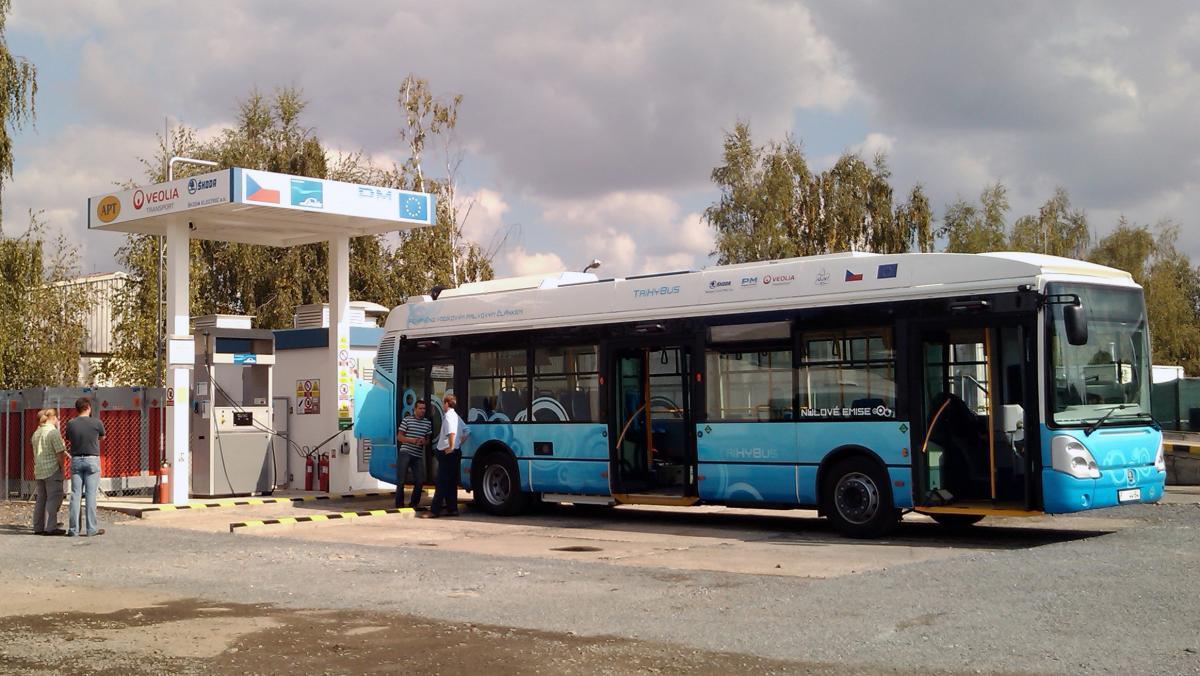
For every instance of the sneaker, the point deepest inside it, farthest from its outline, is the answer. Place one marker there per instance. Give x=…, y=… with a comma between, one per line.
x=98, y=532
x=427, y=515
x=418, y=508
x=57, y=531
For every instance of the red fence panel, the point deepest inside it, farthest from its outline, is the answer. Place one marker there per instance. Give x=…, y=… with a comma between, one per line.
x=155, y=436
x=11, y=447
x=121, y=448
x=31, y=424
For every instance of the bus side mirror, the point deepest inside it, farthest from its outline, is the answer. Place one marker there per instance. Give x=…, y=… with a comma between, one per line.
x=1076, y=323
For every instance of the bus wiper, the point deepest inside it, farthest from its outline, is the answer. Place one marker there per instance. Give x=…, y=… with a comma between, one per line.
x=1087, y=432
x=1148, y=417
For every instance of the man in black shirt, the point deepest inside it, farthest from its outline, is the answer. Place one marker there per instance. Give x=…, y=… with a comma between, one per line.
x=84, y=433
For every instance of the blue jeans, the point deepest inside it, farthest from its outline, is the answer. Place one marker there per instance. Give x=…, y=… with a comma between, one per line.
x=85, y=477
x=445, y=496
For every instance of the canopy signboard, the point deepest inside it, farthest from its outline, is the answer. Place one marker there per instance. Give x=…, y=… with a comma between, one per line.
x=261, y=207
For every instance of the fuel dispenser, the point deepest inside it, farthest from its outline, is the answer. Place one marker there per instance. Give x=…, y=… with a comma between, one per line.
x=231, y=426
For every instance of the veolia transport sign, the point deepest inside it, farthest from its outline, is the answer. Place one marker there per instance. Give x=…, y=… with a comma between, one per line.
x=163, y=198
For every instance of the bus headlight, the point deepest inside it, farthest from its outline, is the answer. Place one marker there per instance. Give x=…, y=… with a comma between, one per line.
x=1160, y=460
x=1070, y=456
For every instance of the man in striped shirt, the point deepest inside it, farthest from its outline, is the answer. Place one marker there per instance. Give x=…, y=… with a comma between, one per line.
x=411, y=437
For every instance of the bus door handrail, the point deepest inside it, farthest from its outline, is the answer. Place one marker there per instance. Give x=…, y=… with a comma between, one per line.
x=629, y=422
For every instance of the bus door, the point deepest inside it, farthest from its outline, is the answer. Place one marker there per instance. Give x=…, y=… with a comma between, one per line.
x=429, y=380
x=653, y=453
x=972, y=402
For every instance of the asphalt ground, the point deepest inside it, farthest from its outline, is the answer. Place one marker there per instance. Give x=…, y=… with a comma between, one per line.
x=702, y=590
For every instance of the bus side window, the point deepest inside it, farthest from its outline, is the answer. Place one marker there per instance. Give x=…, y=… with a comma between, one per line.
x=847, y=374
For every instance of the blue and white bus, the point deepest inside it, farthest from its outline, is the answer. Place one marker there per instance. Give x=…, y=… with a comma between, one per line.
x=862, y=385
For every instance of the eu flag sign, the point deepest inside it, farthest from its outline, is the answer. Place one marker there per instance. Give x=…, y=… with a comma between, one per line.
x=415, y=207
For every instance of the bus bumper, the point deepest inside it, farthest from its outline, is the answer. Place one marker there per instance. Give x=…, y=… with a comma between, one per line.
x=1062, y=493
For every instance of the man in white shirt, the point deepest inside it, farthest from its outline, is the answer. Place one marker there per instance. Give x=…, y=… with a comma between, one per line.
x=449, y=455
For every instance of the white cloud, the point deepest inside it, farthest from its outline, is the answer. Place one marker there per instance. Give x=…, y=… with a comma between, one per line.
x=633, y=231
x=520, y=262
x=1097, y=97
x=616, y=251
x=57, y=174
x=567, y=100
x=486, y=218
x=874, y=144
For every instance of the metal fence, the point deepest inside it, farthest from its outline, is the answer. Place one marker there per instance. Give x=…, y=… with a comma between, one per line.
x=129, y=453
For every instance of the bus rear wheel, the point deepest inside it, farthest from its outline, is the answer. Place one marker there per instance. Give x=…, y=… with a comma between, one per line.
x=499, y=487
x=857, y=498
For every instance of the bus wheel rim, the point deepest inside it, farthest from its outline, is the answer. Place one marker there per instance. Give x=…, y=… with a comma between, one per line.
x=497, y=485
x=857, y=498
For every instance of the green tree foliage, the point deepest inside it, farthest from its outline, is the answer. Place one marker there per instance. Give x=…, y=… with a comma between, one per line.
x=42, y=326
x=772, y=205
x=970, y=228
x=1170, y=282
x=1056, y=229
x=268, y=282
x=18, y=91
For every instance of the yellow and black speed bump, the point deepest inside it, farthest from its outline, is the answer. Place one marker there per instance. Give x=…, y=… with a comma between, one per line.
x=334, y=516
x=241, y=502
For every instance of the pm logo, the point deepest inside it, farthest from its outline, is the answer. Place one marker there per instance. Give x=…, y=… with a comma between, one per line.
x=108, y=209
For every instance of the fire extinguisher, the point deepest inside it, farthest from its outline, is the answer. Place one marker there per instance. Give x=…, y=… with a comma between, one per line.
x=323, y=470
x=162, y=492
x=310, y=468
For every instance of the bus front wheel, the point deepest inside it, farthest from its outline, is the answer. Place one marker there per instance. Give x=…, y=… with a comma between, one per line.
x=499, y=487
x=857, y=498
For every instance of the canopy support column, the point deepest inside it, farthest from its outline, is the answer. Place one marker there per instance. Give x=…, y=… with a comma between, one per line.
x=339, y=338
x=178, y=266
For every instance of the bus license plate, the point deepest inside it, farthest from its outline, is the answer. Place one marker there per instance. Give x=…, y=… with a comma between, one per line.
x=1129, y=495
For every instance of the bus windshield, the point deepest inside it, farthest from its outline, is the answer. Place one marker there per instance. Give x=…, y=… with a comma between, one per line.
x=1108, y=376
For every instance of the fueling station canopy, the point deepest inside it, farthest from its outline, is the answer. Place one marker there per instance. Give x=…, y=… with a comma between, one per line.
x=253, y=207
x=260, y=207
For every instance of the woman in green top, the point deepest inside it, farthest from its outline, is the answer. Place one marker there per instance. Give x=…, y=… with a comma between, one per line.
x=48, y=452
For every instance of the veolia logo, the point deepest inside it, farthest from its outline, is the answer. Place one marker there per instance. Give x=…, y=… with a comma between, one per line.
x=108, y=209
x=141, y=198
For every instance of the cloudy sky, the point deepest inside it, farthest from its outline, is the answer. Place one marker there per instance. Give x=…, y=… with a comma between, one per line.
x=591, y=129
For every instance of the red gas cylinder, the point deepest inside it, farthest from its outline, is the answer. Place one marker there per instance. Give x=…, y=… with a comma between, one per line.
x=323, y=472
x=162, y=492
x=310, y=470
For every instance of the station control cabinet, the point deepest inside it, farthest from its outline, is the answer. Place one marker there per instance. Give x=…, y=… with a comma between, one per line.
x=231, y=425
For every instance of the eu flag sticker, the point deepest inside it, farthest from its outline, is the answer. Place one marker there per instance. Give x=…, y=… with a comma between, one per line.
x=887, y=271
x=414, y=206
